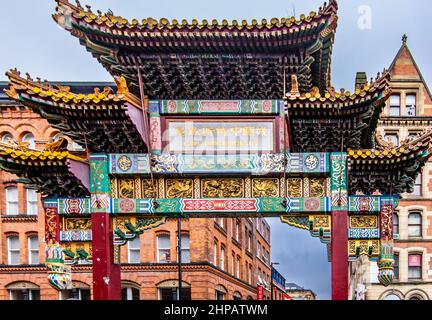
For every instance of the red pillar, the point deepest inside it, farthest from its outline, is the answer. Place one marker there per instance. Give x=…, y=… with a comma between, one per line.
x=339, y=255
x=339, y=230
x=106, y=274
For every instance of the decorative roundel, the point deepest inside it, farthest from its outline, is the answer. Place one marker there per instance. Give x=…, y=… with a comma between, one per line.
x=124, y=163
x=311, y=162
x=312, y=204
x=126, y=205
x=267, y=106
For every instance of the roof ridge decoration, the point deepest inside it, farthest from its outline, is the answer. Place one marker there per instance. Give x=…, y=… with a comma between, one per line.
x=58, y=93
x=25, y=153
x=380, y=83
x=385, y=149
x=65, y=8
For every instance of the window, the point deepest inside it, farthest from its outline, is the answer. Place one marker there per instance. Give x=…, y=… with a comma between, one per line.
x=395, y=105
x=414, y=266
x=392, y=297
x=33, y=250
x=237, y=234
x=233, y=264
x=164, y=248
x=12, y=200
x=222, y=258
x=259, y=250
x=172, y=293
x=414, y=224
x=6, y=137
x=75, y=294
x=249, y=244
x=396, y=266
x=24, y=294
x=395, y=224
x=221, y=223
x=13, y=250
x=28, y=137
x=238, y=268
x=32, y=202
x=411, y=105
x=134, y=250
x=215, y=261
x=129, y=293
x=250, y=274
x=418, y=185
x=220, y=295
x=393, y=138
x=185, y=248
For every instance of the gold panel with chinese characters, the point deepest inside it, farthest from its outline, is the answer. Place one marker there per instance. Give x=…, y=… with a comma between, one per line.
x=265, y=187
x=222, y=188
x=179, y=188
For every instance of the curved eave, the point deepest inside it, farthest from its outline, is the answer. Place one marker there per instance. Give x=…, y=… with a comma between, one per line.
x=70, y=16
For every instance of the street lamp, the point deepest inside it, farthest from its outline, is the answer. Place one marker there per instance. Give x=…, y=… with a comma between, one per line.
x=271, y=278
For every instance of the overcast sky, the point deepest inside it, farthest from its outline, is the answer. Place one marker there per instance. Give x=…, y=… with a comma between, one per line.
x=368, y=37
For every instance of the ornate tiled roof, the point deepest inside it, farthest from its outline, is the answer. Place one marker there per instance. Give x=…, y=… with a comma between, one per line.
x=119, y=26
x=208, y=60
x=59, y=95
x=37, y=157
x=377, y=88
x=103, y=121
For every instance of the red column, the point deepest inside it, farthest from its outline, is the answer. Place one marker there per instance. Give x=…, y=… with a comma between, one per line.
x=339, y=255
x=106, y=274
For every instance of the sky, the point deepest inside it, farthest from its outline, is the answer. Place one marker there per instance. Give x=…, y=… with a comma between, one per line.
x=367, y=39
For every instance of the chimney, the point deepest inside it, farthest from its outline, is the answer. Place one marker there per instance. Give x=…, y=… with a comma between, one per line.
x=361, y=80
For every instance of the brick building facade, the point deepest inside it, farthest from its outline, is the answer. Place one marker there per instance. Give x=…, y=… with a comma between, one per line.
x=222, y=258
x=408, y=113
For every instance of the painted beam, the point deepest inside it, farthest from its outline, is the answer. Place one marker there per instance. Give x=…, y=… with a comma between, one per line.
x=256, y=164
x=215, y=107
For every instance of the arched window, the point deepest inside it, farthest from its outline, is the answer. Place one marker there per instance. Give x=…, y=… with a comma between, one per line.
x=13, y=250
x=29, y=137
x=134, y=250
x=392, y=297
x=395, y=224
x=185, y=248
x=220, y=292
x=79, y=291
x=12, y=201
x=169, y=290
x=23, y=291
x=130, y=291
x=414, y=266
x=6, y=137
x=32, y=201
x=33, y=250
x=237, y=296
x=415, y=224
x=163, y=248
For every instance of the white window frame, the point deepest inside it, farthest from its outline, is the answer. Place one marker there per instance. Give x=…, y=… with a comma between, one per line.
x=8, y=201
x=158, y=248
x=134, y=249
x=30, y=203
x=33, y=250
x=185, y=248
x=14, y=250
x=222, y=258
x=29, y=137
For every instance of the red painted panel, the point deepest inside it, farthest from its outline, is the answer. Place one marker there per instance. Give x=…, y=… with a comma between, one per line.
x=106, y=274
x=339, y=248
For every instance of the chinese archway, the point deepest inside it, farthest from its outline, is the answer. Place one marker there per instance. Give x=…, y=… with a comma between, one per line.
x=212, y=119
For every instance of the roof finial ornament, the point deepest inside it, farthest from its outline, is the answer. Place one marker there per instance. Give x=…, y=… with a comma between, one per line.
x=88, y=8
x=404, y=39
x=294, y=85
x=29, y=78
x=78, y=4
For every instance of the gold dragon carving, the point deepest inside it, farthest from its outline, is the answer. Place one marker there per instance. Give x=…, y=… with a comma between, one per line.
x=222, y=188
x=317, y=187
x=179, y=188
x=294, y=187
x=126, y=188
x=78, y=224
x=262, y=188
x=363, y=222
